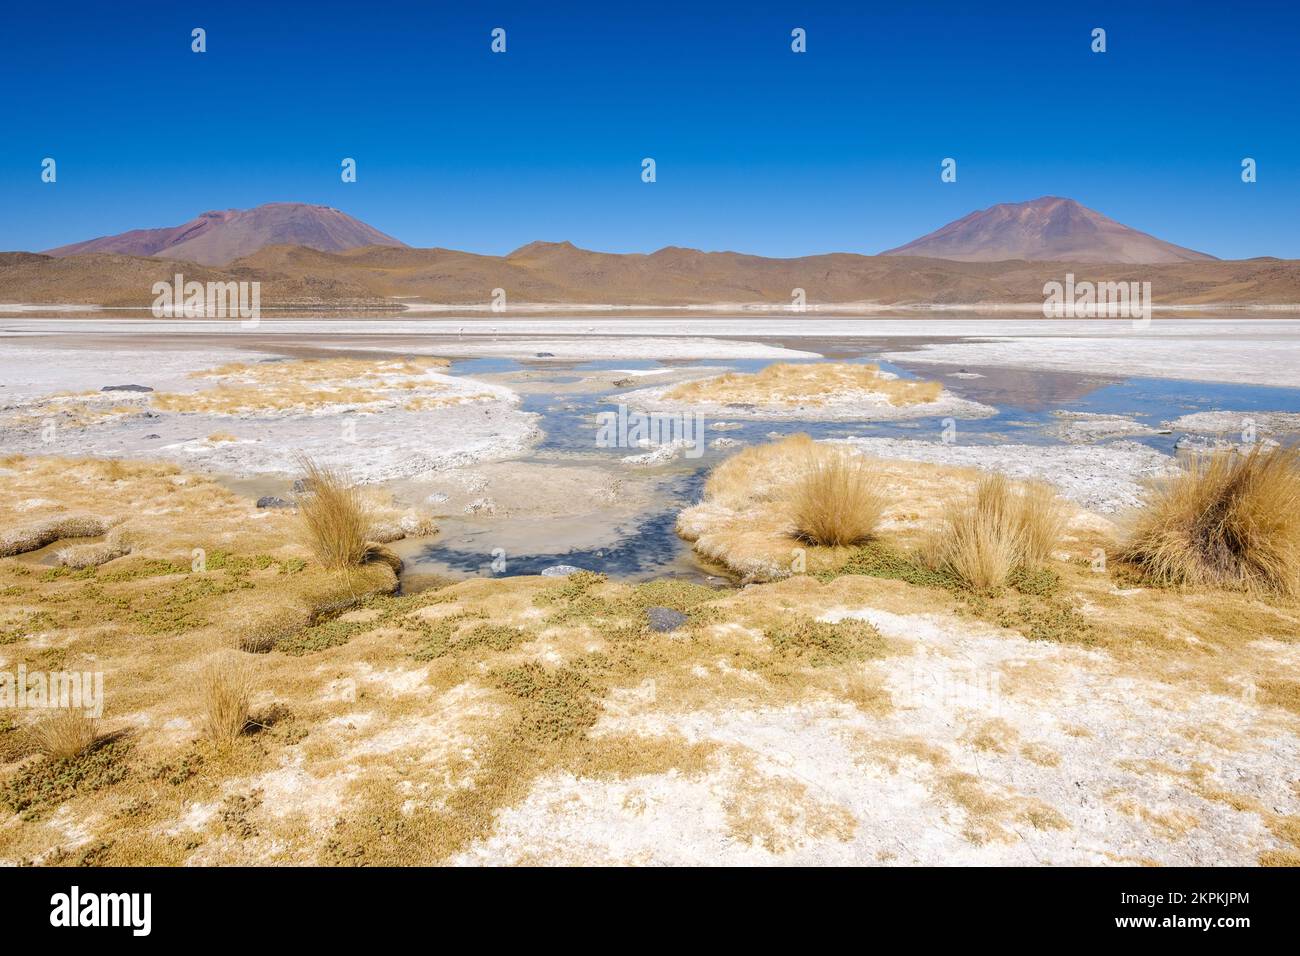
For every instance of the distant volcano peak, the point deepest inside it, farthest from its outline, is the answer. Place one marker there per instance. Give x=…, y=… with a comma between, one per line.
x=1047, y=228
x=219, y=236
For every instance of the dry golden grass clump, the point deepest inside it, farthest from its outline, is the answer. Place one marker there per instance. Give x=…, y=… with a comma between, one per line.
x=760, y=473
x=65, y=733
x=280, y=386
x=1000, y=528
x=784, y=383
x=225, y=695
x=335, y=517
x=838, y=500
x=1228, y=520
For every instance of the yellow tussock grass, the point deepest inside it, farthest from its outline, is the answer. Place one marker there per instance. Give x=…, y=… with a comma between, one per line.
x=997, y=529
x=784, y=383
x=1228, y=520
x=334, y=516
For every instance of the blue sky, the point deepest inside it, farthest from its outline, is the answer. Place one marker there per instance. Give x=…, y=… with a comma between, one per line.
x=758, y=149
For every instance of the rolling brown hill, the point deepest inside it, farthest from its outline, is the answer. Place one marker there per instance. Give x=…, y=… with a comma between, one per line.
x=219, y=237
x=385, y=277
x=1049, y=228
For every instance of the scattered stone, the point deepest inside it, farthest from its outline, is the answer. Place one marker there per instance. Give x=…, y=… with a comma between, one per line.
x=481, y=506
x=560, y=571
x=546, y=355
x=148, y=437
x=725, y=426
x=273, y=501
x=665, y=619
x=436, y=498
x=723, y=443
x=126, y=388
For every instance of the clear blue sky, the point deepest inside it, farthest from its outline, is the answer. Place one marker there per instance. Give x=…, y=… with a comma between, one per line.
x=758, y=149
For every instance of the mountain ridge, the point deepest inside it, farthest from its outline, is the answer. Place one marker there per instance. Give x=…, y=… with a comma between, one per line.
x=386, y=277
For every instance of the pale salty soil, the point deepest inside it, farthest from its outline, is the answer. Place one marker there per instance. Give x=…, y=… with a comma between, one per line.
x=1247, y=351
x=1105, y=478
x=373, y=419
x=1226, y=422
x=1267, y=357
x=594, y=347
x=533, y=381
x=533, y=489
x=1081, y=428
x=997, y=751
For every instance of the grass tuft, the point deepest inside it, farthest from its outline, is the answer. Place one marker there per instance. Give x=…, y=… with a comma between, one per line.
x=996, y=532
x=65, y=733
x=1227, y=520
x=335, y=517
x=225, y=695
x=837, y=500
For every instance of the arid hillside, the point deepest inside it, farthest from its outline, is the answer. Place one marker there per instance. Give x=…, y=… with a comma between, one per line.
x=379, y=276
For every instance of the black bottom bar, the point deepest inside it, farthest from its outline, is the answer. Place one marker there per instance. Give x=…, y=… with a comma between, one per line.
x=1219, y=906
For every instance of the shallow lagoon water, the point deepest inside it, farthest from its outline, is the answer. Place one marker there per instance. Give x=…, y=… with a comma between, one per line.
x=648, y=545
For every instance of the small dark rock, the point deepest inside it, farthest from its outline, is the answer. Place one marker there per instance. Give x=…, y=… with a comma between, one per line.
x=147, y=437
x=273, y=501
x=126, y=388
x=622, y=382
x=300, y=486
x=546, y=355
x=664, y=619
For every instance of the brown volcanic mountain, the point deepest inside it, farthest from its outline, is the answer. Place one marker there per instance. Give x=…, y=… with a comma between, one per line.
x=221, y=236
x=385, y=277
x=331, y=260
x=1049, y=228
